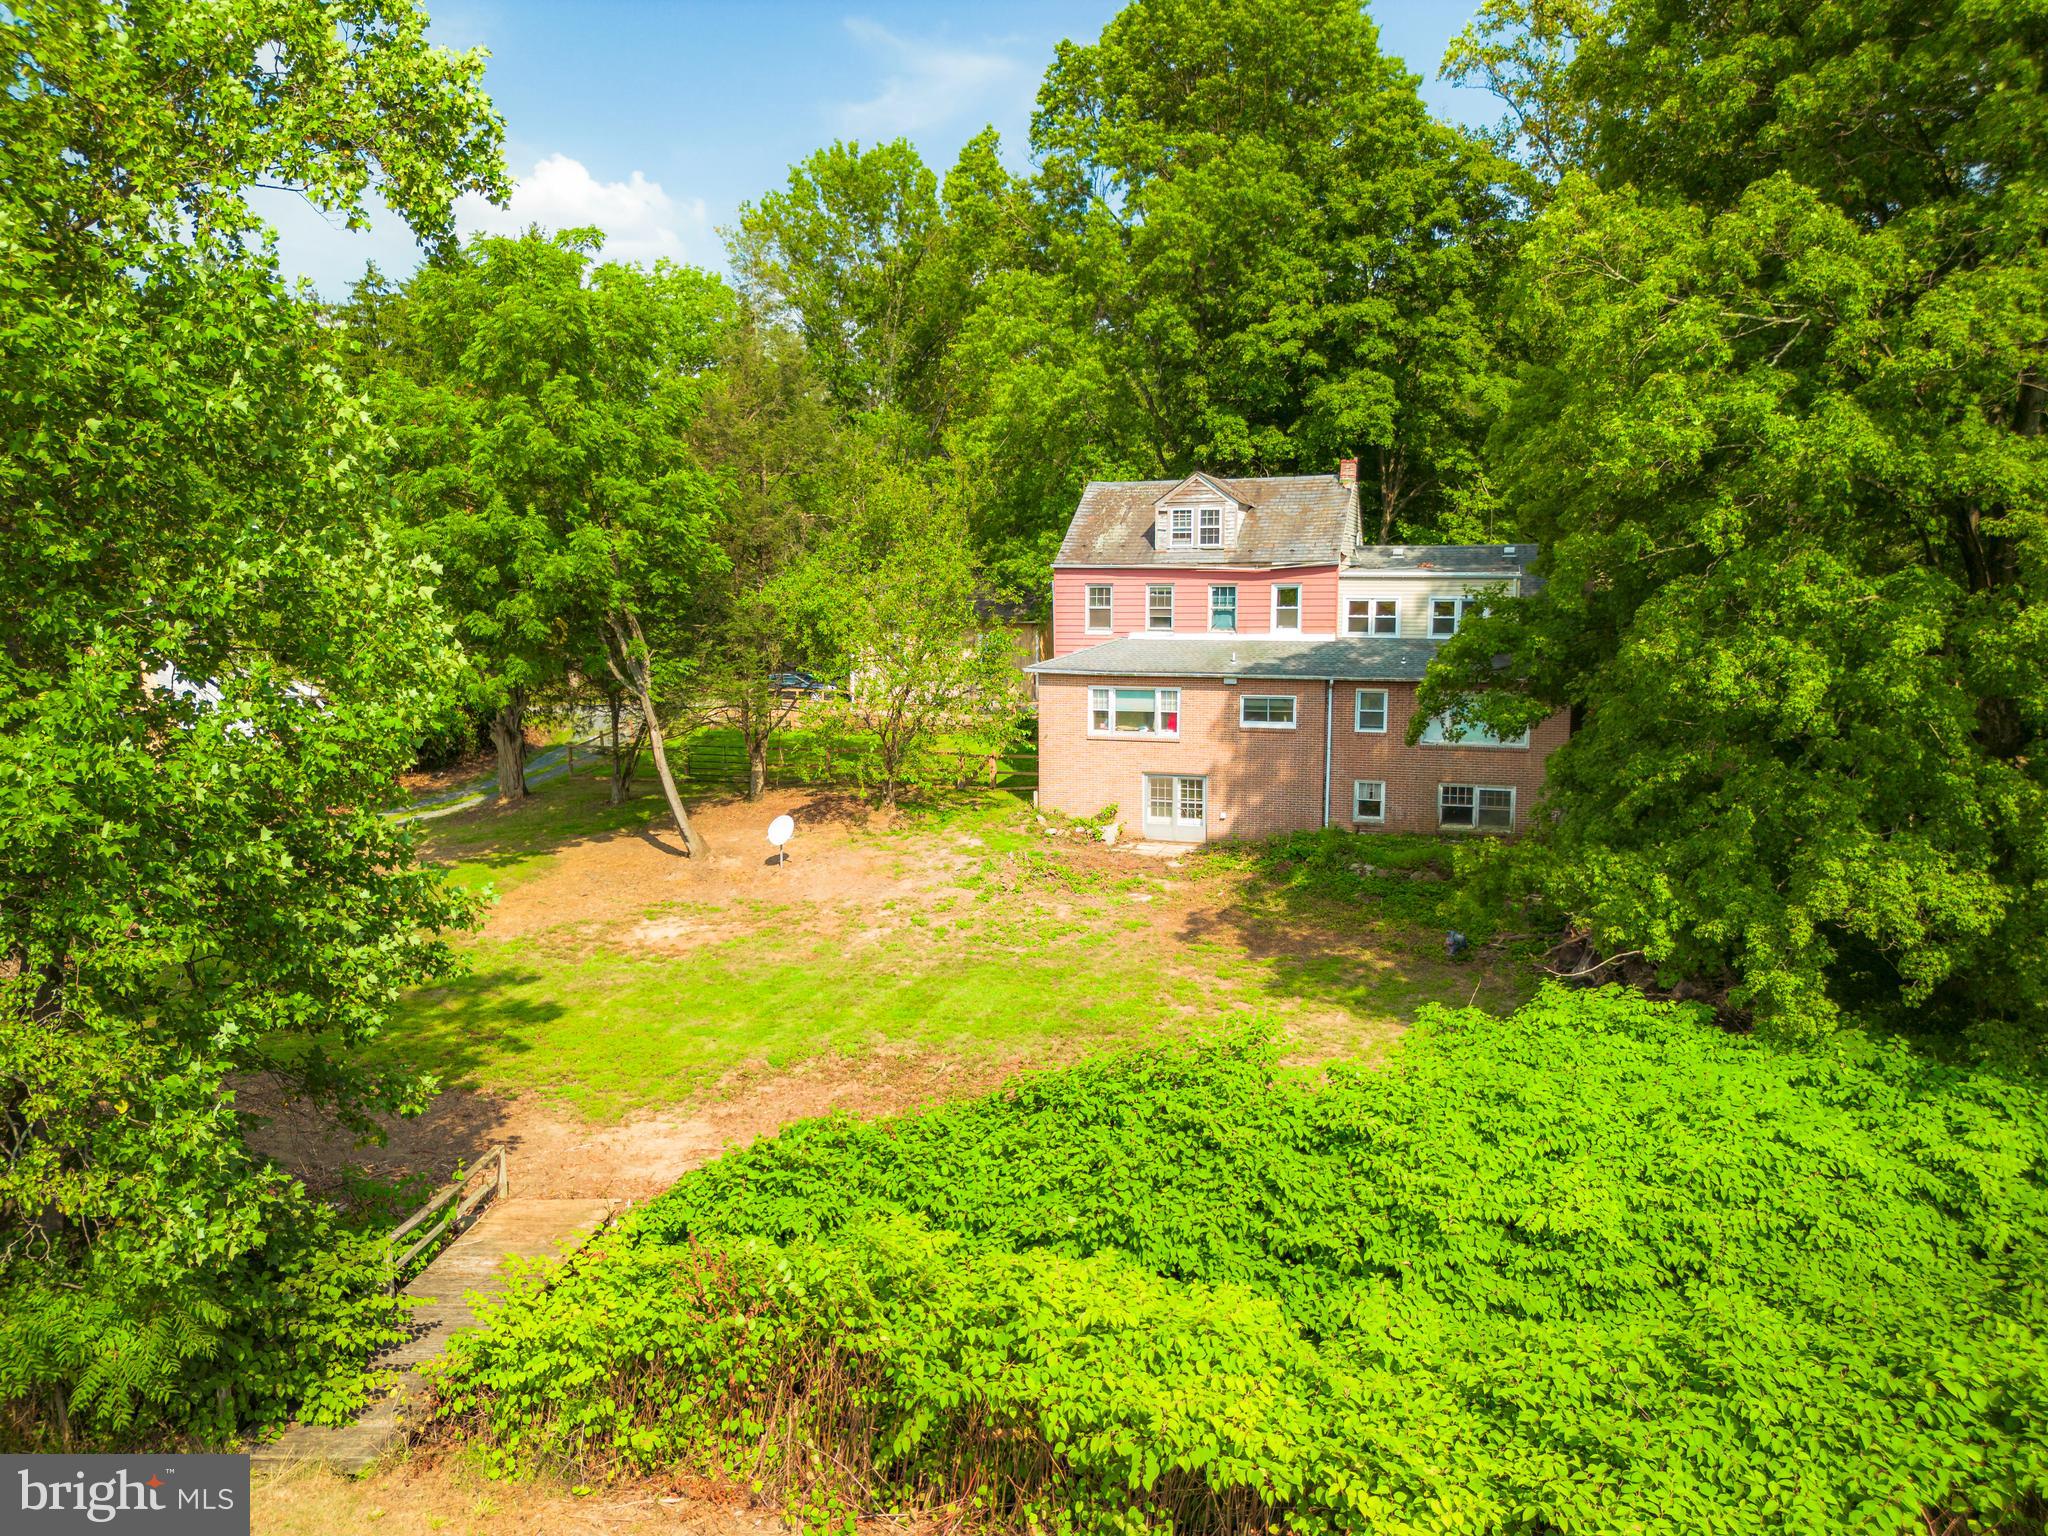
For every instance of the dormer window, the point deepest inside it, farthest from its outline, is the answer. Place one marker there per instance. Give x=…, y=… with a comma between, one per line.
x=1212, y=527
x=1182, y=522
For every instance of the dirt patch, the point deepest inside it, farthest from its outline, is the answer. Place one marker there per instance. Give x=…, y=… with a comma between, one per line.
x=639, y=883
x=415, y=1498
x=556, y=1154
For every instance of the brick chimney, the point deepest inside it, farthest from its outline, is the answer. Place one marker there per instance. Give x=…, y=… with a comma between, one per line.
x=1347, y=471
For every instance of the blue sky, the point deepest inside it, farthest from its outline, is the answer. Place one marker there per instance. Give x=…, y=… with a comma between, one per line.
x=656, y=119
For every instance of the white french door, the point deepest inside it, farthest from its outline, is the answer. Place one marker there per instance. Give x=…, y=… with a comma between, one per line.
x=1176, y=807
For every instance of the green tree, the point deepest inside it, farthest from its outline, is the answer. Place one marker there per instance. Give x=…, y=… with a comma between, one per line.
x=1285, y=257
x=768, y=433
x=891, y=592
x=215, y=663
x=541, y=404
x=1785, y=453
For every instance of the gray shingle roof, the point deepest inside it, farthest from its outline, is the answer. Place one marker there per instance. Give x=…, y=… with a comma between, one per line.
x=1293, y=520
x=1362, y=658
x=1506, y=559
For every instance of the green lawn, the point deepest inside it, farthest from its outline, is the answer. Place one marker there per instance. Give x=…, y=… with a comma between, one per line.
x=1037, y=950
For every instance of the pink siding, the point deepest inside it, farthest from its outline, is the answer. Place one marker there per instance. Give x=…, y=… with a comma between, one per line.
x=1318, y=585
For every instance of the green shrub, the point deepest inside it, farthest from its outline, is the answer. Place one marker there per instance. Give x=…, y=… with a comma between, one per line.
x=1594, y=1267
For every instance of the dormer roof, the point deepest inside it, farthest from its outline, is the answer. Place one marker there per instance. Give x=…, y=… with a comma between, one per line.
x=1282, y=520
x=1200, y=487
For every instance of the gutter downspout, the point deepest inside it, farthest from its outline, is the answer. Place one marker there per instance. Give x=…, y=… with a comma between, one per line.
x=1329, y=712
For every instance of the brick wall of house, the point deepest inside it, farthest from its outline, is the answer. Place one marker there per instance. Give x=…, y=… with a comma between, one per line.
x=1412, y=774
x=1190, y=601
x=1262, y=782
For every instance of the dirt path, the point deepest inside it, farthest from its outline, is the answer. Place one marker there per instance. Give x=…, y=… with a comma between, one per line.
x=557, y=1154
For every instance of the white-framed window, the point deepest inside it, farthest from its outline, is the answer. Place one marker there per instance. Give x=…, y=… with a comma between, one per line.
x=1212, y=528
x=1223, y=608
x=1099, y=622
x=1372, y=616
x=1447, y=613
x=1159, y=607
x=1368, y=800
x=1483, y=806
x=1266, y=711
x=1181, y=525
x=1287, y=608
x=1434, y=735
x=1133, y=711
x=1370, y=712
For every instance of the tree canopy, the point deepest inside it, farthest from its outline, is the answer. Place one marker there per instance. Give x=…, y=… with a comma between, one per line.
x=215, y=662
x=1782, y=444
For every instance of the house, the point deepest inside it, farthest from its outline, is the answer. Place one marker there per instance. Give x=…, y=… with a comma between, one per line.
x=1231, y=660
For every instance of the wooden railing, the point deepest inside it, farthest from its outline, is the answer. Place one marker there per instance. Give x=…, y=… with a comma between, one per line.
x=457, y=1205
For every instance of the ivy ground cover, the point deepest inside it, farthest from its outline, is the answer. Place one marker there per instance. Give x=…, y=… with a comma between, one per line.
x=1592, y=1267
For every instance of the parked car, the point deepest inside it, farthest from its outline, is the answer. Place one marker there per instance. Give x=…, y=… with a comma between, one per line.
x=801, y=683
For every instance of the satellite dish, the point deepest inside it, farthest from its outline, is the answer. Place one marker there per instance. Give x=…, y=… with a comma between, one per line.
x=780, y=831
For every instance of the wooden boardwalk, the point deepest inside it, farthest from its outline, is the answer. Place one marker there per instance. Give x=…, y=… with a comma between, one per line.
x=472, y=1265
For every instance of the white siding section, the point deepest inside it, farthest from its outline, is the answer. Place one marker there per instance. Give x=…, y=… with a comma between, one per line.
x=1413, y=593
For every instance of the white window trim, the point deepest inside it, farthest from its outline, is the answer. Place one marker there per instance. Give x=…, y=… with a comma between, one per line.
x=1173, y=538
x=1113, y=734
x=1201, y=514
x=1274, y=623
x=1174, y=780
x=1168, y=588
x=1477, y=790
x=1088, y=624
x=1370, y=633
x=1358, y=724
x=1371, y=821
x=1471, y=739
x=1291, y=724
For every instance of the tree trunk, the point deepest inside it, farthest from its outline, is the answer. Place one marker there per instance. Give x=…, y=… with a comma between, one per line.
x=508, y=737
x=633, y=652
x=757, y=768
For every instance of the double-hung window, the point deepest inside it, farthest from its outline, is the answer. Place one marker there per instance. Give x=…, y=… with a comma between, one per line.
x=1368, y=800
x=1099, y=610
x=1180, y=523
x=1212, y=528
x=1372, y=616
x=1447, y=613
x=1266, y=711
x=1475, y=805
x=1133, y=711
x=1371, y=715
x=1223, y=608
x=1287, y=608
x=1159, y=607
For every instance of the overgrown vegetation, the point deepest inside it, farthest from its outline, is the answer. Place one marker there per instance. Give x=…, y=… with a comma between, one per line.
x=1592, y=1267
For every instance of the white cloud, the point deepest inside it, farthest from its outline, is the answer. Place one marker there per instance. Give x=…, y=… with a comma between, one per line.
x=927, y=84
x=641, y=221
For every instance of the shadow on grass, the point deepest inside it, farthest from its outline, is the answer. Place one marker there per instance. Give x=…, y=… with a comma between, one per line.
x=456, y=1028
x=1359, y=922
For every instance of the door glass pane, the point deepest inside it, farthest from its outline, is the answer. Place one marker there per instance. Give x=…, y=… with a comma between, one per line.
x=1191, y=800
x=1159, y=799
